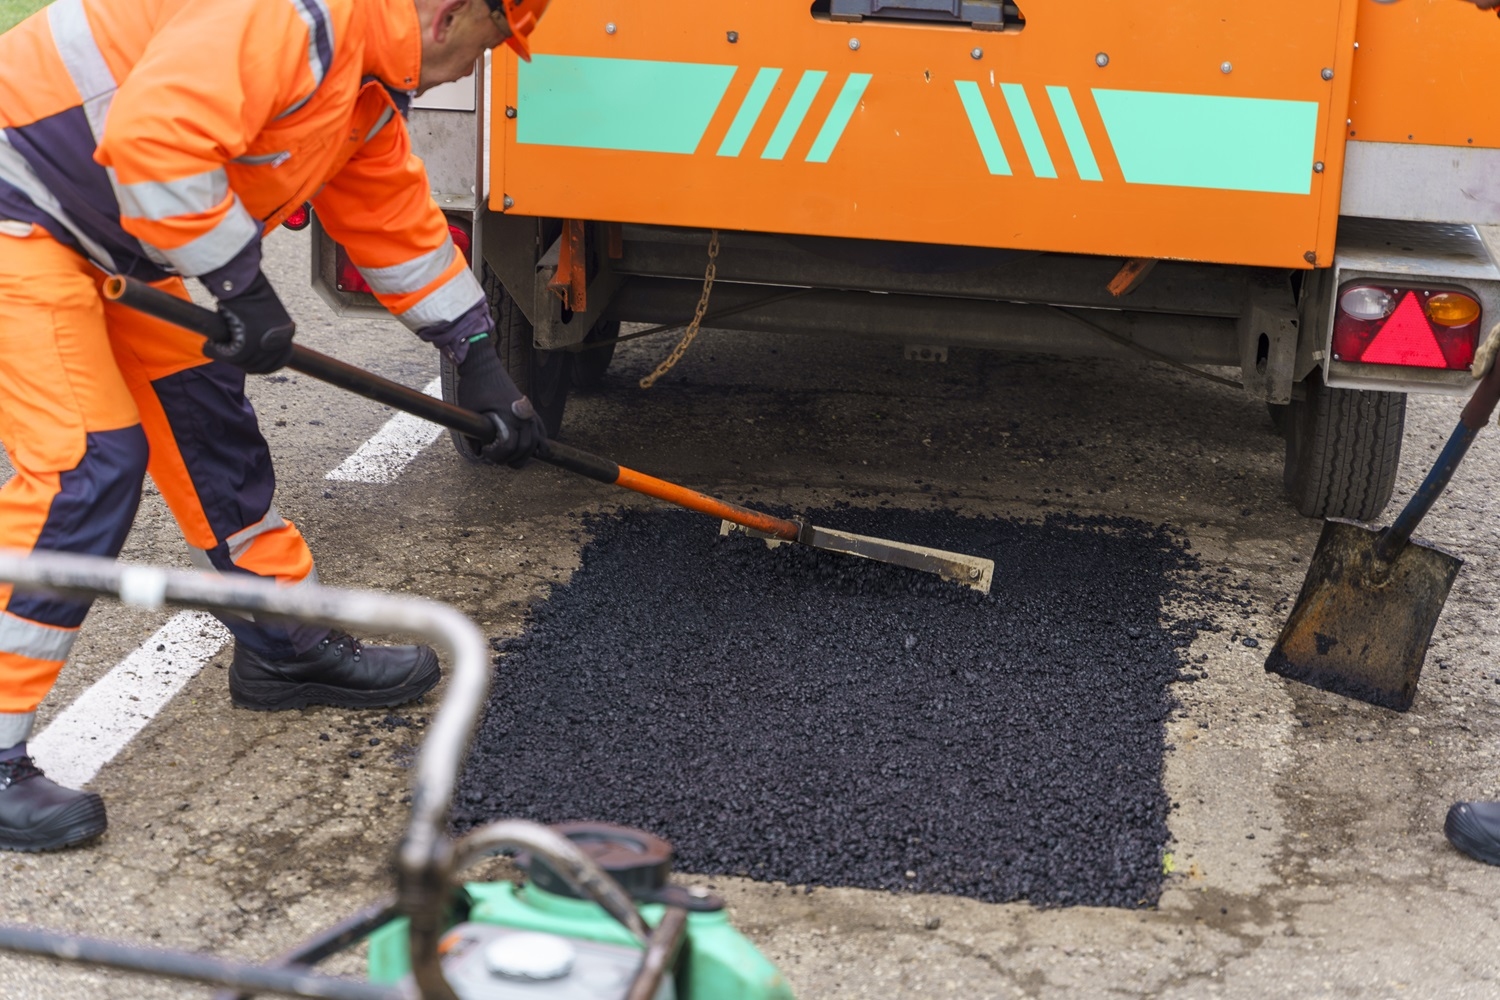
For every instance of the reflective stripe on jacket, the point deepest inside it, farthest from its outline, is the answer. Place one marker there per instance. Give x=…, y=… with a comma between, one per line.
x=166, y=136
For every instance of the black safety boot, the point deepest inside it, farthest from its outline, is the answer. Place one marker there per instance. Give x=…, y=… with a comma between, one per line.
x=340, y=671
x=38, y=814
x=1474, y=828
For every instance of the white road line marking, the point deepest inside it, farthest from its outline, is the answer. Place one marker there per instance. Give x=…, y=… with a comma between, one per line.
x=382, y=458
x=88, y=733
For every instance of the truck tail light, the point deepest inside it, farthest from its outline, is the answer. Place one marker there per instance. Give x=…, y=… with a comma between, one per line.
x=346, y=276
x=1452, y=309
x=461, y=240
x=1415, y=327
x=1367, y=303
x=298, y=218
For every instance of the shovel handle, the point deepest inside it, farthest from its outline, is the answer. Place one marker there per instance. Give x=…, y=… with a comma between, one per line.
x=1476, y=413
x=142, y=297
x=1393, y=539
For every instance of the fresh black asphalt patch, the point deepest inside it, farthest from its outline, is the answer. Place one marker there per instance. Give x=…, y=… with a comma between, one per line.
x=821, y=720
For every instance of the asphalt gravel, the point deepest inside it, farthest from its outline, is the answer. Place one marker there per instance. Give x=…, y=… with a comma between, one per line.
x=820, y=720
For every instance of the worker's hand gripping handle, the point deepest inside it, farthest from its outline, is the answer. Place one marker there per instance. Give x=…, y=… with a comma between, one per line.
x=154, y=302
x=1482, y=404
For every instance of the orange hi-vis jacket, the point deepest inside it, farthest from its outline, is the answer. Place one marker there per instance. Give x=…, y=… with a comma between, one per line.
x=162, y=137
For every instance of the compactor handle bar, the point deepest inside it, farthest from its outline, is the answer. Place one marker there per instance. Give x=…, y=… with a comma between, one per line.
x=427, y=861
x=424, y=857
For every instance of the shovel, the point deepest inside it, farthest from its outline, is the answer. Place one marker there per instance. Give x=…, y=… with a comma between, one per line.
x=1372, y=597
x=965, y=570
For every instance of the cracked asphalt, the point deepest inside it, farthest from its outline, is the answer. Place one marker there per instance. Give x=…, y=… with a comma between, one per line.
x=1307, y=858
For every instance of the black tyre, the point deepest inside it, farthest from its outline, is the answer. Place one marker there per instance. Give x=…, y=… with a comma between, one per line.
x=1342, y=450
x=590, y=365
x=544, y=376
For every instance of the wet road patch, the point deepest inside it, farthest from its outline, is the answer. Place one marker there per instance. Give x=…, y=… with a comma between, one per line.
x=818, y=720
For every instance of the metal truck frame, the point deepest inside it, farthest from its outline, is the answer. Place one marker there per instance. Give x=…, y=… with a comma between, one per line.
x=1196, y=183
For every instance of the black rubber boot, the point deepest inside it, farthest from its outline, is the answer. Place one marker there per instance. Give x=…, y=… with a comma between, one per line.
x=1474, y=828
x=38, y=814
x=340, y=671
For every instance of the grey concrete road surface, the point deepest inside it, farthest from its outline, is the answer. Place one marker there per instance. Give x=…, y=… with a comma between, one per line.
x=1308, y=858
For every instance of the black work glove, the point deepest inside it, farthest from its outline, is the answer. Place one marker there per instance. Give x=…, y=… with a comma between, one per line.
x=260, y=330
x=485, y=386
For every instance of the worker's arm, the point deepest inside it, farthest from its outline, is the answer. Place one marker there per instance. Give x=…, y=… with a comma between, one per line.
x=208, y=82
x=380, y=209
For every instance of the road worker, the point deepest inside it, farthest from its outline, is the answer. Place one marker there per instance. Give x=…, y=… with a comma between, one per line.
x=161, y=139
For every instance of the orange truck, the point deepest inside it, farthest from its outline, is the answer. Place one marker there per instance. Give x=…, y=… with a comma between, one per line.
x=1302, y=190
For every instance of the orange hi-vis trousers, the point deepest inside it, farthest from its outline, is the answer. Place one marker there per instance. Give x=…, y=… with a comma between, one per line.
x=92, y=397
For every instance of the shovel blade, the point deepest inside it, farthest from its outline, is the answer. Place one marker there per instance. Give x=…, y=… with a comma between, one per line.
x=1361, y=626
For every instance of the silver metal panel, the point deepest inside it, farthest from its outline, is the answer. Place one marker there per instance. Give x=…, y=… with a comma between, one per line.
x=1403, y=252
x=1388, y=180
x=447, y=142
x=456, y=96
x=445, y=128
x=1415, y=249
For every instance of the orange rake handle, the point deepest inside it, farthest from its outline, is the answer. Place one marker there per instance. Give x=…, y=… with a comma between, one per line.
x=611, y=473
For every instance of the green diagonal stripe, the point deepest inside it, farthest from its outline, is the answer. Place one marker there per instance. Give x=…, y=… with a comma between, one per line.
x=629, y=104
x=838, y=118
x=1072, y=128
x=1031, y=135
x=1203, y=141
x=749, y=113
x=791, y=118
x=984, y=128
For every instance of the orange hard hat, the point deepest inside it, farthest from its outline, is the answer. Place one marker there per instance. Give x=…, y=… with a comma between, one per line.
x=521, y=17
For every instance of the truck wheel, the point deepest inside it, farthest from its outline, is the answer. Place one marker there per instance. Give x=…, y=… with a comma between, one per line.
x=589, y=366
x=1342, y=449
x=544, y=376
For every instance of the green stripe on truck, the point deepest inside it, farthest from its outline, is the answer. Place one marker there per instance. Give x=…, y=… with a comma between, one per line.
x=629, y=104
x=1202, y=141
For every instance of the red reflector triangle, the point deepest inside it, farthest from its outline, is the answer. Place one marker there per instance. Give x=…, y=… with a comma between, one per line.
x=1406, y=339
